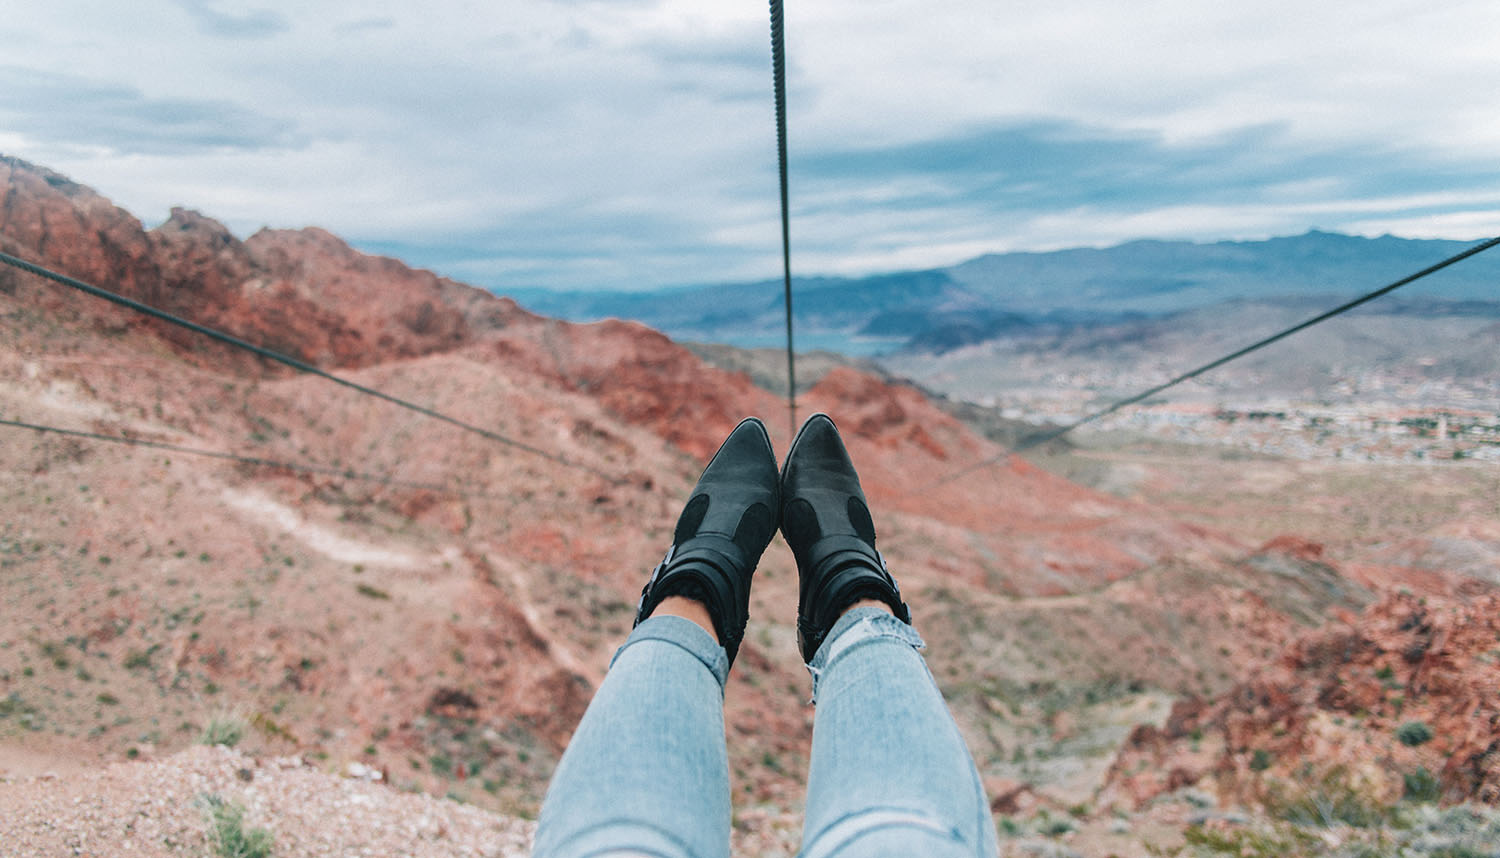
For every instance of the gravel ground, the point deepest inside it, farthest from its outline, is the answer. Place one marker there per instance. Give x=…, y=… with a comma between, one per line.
x=159, y=808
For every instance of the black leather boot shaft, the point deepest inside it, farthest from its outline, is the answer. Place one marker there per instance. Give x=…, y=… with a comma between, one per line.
x=826, y=521
x=724, y=528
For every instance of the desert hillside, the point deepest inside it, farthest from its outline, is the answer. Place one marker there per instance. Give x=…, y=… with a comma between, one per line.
x=446, y=623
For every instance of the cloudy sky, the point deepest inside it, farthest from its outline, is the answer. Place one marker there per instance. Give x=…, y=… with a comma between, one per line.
x=630, y=143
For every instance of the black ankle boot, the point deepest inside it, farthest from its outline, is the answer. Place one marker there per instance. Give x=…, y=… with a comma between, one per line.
x=827, y=523
x=726, y=525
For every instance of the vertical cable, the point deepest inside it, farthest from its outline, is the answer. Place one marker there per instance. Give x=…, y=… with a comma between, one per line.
x=778, y=74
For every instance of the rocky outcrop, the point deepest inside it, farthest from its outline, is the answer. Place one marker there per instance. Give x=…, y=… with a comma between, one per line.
x=51, y=220
x=1399, y=695
x=302, y=292
x=391, y=311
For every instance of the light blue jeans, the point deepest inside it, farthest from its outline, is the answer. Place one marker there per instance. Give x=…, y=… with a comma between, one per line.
x=647, y=773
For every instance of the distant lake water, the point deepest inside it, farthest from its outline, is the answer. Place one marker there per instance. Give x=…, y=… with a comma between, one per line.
x=832, y=341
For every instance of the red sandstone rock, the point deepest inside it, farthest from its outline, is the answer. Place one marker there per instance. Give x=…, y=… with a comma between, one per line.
x=1010, y=797
x=305, y=293
x=1332, y=706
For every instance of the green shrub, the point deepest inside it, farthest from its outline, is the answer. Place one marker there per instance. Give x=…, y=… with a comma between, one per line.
x=57, y=654
x=11, y=705
x=223, y=730
x=1328, y=801
x=1458, y=850
x=227, y=832
x=1242, y=843
x=1414, y=733
x=137, y=659
x=1260, y=760
x=1051, y=827
x=371, y=592
x=1420, y=786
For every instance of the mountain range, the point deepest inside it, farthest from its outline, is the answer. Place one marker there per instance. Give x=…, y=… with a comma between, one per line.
x=1002, y=294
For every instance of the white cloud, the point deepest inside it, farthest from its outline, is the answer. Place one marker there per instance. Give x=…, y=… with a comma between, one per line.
x=251, y=24
x=637, y=136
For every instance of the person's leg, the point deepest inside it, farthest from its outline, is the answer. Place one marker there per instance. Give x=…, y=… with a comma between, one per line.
x=889, y=773
x=646, y=772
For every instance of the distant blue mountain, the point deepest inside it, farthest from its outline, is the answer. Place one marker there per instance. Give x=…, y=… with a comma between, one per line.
x=1001, y=293
x=1167, y=276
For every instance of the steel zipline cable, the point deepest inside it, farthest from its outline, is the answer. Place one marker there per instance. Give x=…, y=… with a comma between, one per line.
x=1042, y=438
x=234, y=457
x=300, y=365
x=778, y=82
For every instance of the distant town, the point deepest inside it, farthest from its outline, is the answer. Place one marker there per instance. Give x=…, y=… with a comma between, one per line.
x=1371, y=416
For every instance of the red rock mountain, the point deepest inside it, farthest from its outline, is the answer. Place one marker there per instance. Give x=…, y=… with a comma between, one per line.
x=454, y=635
x=303, y=292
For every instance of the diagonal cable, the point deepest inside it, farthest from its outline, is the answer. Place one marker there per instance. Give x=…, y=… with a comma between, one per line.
x=300, y=365
x=1035, y=440
x=233, y=457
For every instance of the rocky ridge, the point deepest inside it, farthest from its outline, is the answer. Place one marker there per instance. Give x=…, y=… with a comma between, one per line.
x=305, y=292
x=1396, y=700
